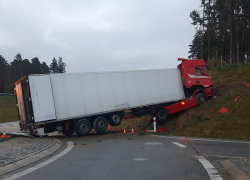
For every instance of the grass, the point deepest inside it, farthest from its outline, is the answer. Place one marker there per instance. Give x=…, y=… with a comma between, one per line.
x=8, y=109
x=206, y=120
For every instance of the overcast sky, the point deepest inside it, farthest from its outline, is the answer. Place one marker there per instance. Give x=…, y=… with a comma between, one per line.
x=98, y=35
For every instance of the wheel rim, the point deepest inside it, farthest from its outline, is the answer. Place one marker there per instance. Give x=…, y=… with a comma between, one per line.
x=84, y=127
x=202, y=99
x=101, y=124
x=116, y=118
x=162, y=114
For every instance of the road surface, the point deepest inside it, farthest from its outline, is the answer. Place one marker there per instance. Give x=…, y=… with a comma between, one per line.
x=114, y=156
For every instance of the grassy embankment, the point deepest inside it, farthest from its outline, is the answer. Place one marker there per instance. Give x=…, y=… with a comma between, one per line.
x=8, y=109
x=206, y=120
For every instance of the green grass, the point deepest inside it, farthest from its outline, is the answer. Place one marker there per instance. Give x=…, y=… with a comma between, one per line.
x=8, y=109
x=206, y=120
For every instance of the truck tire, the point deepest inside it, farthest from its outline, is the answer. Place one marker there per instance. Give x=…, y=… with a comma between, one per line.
x=115, y=119
x=83, y=127
x=68, y=132
x=161, y=114
x=100, y=124
x=201, y=98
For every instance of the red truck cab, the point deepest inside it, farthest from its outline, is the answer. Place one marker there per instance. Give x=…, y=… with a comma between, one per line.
x=197, y=86
x=195, y=77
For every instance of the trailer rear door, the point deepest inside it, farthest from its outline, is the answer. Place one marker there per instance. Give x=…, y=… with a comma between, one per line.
x=42, y=98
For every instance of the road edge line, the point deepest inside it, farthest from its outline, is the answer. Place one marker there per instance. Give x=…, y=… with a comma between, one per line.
x=205, y=139
x=211, y=170
x=29, y=170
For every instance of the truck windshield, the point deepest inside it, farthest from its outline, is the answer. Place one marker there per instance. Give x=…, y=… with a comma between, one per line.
x=197, y=71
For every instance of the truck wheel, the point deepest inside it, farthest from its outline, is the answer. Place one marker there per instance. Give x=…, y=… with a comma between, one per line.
x=161, y=114
x=83, y=127
x=115, y=119
x=201, y=98
x=100, y=124
x=68, y=132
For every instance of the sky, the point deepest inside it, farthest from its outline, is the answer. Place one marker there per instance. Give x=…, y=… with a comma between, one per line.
x=98, y=35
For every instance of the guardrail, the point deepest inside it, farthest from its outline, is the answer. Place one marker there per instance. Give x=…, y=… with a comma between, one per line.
x=6, y=94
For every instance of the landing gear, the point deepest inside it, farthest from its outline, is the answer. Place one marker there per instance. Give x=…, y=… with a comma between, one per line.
x=68, y=132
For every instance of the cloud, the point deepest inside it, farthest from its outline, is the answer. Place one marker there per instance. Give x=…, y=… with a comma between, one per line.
x=98, y=35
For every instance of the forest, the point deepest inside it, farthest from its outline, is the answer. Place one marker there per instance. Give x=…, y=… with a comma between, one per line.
x=222, y=32
x=11, y=72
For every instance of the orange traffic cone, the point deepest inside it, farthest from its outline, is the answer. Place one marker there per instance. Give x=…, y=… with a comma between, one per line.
x=109, y=127
x=124, y=132
x=132, y=131
x=4, y=135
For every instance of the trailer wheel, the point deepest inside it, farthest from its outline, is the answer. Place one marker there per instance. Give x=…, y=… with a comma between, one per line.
x=100, y=124
x=83, y=127
x=201, y=98
x=115, y=119
x=68, y=132
x=161, y=114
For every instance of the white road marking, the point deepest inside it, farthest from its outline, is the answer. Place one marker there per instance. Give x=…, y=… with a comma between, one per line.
x=236, y=157
x=212, y=172
x=175, y=137
x=179, y=144
x=140, y=159
x=153, y=143
x=27, y=171
x=204, y=139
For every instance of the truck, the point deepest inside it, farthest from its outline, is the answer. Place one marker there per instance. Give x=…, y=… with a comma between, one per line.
x=80, y=102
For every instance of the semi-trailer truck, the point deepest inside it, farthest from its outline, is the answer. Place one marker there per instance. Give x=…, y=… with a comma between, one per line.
x=79, y=102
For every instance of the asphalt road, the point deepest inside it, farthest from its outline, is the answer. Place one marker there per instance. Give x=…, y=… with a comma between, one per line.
x=114, y=156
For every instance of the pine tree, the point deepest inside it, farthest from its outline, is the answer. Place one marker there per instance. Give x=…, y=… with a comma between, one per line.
x=3, y=67
x=53, y=66
x=61, y=66
x=35, y=66
x=44, y=68
x=226, y=32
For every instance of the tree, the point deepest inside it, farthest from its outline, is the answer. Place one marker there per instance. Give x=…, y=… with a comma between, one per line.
x=35, y=66
x=226, y=31
x=44, y=68
x=26, y=67
x=16, y=68
x=3, y=67
x=61, y=66
x=57, y=66
x=53, y=66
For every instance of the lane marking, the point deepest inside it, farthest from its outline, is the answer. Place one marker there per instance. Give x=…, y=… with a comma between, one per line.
x=140, y=159
x=204, y=139
x=179, y=144
x=235, y=157
x=169, y=136
x=27, y=171
x=153, y=143
x=212, y=172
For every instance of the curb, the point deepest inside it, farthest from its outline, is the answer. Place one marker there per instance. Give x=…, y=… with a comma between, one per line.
x=6, y=139
x=31, y=159
x=236, y=172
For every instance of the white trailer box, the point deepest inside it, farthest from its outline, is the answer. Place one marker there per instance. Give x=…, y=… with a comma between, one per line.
x=67, y=96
